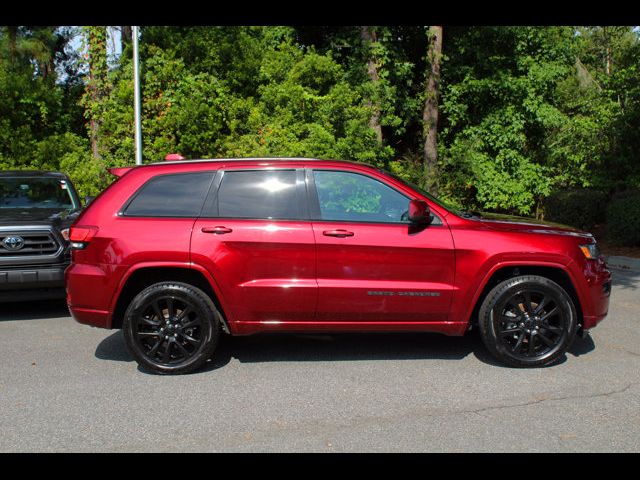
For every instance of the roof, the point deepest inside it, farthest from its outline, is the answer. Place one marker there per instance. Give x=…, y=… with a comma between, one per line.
x=252, y=159
x=31, y=173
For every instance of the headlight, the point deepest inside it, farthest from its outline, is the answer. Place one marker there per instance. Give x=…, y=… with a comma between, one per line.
x=591, y=251
x=65, y=234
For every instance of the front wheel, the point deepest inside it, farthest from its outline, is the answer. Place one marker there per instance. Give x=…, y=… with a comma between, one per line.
x=171, y=327
x=527, y=321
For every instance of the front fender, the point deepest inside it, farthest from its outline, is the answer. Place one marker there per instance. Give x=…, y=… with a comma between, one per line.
x=470, y=287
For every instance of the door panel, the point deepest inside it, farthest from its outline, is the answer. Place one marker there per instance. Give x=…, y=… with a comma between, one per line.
x=265, y=269
x=373, y=266
x=384, y=273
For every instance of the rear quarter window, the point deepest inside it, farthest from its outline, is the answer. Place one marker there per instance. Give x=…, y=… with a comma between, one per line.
x=176, y=195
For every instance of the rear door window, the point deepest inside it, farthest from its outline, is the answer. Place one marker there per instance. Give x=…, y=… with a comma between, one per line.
x=177, y=195
x=260, y=194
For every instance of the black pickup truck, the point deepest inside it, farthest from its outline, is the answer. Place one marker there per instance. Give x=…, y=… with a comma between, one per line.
x=36, y=210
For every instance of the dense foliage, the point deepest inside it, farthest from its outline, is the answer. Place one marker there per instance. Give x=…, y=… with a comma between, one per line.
x=623, y=218
x=584, y=207
x=525, y=112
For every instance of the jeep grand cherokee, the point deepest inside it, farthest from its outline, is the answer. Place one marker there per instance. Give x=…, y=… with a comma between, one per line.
x=176, y=252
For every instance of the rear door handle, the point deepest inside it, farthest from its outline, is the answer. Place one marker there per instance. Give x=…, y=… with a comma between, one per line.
x=216, y=230
x=340, y=233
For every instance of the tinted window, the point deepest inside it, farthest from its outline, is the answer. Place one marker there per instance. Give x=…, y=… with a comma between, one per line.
x=34, y=192
x=358, y=198
x=180, y=195
x=259, y=194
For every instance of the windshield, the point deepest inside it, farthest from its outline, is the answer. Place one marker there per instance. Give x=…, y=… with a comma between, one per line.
x=418, y=189
x=34, y=192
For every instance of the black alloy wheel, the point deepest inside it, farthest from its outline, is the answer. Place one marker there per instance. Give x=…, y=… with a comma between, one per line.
x=528, y=321
x=171, y=327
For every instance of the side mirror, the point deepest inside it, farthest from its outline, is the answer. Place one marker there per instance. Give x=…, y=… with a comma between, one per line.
x=88, y=200
x=419, y=212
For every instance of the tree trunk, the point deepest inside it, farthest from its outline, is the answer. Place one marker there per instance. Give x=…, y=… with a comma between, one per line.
x=126, y=33
x=607, y=48
x=368, y=35
x=430, y=111
x=13, y=36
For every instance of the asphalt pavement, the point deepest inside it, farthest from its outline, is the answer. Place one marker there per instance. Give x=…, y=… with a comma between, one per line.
x=66, y=387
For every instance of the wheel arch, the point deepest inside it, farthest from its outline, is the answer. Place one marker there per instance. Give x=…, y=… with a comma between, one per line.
x=556, y=273
x=142, y=276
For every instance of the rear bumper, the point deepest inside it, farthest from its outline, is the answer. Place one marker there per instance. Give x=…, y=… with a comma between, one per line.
x=89, y=291
x=26, y=283
x=95, y=318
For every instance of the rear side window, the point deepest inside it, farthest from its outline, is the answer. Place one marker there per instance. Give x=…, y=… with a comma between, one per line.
x=263, y=194
x=179, y=195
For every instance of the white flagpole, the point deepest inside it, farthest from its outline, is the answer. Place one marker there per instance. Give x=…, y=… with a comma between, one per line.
x=136, y=89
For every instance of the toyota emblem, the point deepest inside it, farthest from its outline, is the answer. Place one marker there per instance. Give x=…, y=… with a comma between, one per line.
x=13, y=242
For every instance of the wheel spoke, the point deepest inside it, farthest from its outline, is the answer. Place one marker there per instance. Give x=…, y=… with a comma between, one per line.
x=527, y=303
x=540, y=306
x=149, y=334
x=548, y=341
x=190, y=339
x=155, y=347
x=552, y=329
x=181, y=347
x=550, y=313
x=518, y=344
x=166, y=356
x=148, y=321
x=532, y=347
x=510, y=331
x=184, y=313
x=516, y=306
x=157, y=311
x=193, y=323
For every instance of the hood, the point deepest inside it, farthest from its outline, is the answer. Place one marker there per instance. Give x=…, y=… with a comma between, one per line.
x=37, y=216
x=515, y=223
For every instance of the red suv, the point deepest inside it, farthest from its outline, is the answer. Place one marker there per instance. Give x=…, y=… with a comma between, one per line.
x=176, y=252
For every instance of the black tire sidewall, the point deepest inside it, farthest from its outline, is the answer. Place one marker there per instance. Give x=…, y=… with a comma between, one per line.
x=508, y=288
x=183, y=292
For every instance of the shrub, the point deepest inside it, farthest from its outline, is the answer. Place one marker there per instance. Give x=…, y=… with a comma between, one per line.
x=623, y=218
x=581, y=208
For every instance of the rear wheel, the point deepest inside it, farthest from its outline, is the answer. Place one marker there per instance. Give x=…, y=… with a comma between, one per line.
x=171, y=327
x=528, y=321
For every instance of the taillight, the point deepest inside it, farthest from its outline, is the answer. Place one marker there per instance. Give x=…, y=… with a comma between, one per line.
x=80, y=236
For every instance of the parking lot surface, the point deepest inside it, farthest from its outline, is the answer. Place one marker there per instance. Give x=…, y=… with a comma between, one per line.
x=68, y=387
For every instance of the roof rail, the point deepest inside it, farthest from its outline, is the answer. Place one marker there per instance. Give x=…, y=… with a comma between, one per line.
x=248, y=159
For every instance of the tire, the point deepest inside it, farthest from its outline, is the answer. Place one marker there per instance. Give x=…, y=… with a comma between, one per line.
x=171, y=328
x=527, y=321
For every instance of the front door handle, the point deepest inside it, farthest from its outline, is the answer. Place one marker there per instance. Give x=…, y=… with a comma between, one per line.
x=340, y=233
x=216, y=230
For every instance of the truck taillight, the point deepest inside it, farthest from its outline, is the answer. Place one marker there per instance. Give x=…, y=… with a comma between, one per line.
x=80, y=236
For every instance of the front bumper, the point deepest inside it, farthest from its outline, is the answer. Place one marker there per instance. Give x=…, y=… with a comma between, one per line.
x=598, y=292
x=26, y=283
